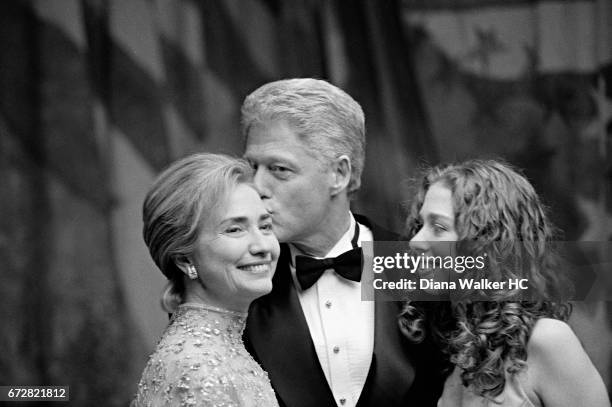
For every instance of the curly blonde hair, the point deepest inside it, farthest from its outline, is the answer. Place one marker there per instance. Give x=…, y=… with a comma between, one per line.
x=497, y=213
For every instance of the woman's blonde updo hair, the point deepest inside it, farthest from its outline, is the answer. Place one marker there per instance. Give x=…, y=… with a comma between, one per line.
x=178, y=204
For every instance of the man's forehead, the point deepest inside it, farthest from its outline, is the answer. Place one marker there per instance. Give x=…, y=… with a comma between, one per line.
x=278, y=141
x=270, y=130
x=271, y=152
x=265, y=144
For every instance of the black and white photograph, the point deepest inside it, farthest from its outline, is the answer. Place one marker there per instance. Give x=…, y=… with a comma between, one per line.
x=306, y=203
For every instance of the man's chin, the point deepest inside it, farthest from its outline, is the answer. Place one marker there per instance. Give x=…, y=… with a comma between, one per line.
x=287, y=235
x=282, y=235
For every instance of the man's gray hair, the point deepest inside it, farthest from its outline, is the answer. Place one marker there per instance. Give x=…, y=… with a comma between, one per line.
x=326, y=118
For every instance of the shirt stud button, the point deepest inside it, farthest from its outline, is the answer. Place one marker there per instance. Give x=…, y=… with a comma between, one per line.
x=328, y=304
x=336, y=349
x=342, y=401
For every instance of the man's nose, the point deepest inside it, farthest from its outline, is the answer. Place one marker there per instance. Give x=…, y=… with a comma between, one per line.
x=261, y=183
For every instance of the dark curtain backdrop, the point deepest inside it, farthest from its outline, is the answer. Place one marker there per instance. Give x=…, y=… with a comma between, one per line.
x=96, y=97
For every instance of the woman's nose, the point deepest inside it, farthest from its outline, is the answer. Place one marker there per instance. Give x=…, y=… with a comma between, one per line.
x=419, y=241
x=261, y=243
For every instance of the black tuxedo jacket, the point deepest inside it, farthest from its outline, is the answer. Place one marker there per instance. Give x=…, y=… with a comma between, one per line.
x=277, y=335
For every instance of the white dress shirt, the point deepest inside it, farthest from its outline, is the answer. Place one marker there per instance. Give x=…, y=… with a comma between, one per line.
x=340, y=324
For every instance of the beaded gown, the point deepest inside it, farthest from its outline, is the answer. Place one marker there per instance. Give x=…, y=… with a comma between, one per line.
x=201, y=360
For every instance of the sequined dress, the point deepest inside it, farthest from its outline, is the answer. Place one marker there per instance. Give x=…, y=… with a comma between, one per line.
x=201, y=360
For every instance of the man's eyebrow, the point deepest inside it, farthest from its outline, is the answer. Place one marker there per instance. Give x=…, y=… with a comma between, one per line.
x=269, y=156
x=265, y=216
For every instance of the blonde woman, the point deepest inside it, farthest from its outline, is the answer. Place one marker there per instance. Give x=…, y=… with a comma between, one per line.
x=505, y=352
x=209, y=234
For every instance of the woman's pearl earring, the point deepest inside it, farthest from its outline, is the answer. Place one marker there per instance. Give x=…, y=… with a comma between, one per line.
x=191, y=272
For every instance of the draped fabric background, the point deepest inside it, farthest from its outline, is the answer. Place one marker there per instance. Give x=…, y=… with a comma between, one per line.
x=96, y=97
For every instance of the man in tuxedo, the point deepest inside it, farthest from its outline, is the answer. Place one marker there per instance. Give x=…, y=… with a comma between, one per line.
x=320, y=344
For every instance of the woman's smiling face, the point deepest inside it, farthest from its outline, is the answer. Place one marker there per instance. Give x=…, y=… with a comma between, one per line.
x=237, y=251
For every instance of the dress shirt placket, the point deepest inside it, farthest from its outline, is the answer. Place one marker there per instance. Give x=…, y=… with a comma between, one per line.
x=335, y=328
x=340, y=324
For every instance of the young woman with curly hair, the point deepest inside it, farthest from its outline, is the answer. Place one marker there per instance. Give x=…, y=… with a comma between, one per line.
x=505, y=351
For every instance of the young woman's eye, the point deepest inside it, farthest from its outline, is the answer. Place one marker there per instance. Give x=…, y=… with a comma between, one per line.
x=439, y=229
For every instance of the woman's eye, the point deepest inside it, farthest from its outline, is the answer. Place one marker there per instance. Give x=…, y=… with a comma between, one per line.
x=233, y=229
x=266, y=227
x=439, y=228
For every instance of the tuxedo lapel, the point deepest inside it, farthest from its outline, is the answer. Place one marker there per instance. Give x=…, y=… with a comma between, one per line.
x=391, y=371
x=401, y=373
x=278, y=335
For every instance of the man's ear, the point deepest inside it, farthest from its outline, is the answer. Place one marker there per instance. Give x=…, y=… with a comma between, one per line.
x=183, y=263
x=341, y=174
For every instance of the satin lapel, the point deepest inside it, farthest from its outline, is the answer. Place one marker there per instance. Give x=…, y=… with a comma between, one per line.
x=391, y=372
x=278, y=334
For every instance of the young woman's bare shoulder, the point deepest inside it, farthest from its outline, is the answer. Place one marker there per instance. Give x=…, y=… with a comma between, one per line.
x=551, y=335
x=561, y=372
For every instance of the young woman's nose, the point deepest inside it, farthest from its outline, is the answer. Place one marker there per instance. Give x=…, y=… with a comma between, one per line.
x=419, y=242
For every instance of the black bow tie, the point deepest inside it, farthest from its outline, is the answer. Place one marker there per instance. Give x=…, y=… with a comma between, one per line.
x=348, y=265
